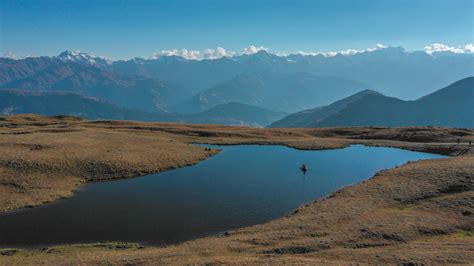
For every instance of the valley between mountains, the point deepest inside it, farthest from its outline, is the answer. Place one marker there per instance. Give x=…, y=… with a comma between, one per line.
x=387, y=86
x=214, y=132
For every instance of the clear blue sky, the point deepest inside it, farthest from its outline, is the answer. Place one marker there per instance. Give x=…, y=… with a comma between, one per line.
x=125, y=29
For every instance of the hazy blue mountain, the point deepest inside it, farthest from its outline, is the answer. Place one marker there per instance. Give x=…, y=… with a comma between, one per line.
x=373, y=110
x=309, y=117
x=65, y=103
x=154, y=84
x=451, y=106
x=235, y=114
x=131, y=91
x=275, y=91
x=196, y=76
x=12, y=70
x=393, y=70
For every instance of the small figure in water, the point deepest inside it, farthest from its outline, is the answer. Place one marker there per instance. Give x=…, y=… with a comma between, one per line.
x=303, y=168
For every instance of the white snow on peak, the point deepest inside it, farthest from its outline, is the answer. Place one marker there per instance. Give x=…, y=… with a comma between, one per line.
x=78, y=56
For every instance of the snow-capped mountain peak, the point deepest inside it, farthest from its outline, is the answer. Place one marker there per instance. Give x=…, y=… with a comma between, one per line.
x=81, y=57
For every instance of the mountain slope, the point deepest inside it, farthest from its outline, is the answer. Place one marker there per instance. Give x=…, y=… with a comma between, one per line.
x=64, y=103
x=451, y=106
x=373, y=110
x=236, y=114
x=13, y=70
x=308, y=117
x=282, y=92
x=129, y=91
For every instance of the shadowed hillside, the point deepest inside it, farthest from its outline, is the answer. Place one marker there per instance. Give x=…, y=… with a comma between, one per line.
x=308, y=117
x=450, y=106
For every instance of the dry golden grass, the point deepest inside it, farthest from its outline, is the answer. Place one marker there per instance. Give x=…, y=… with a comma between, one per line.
x=419, y=212
x=42, y=163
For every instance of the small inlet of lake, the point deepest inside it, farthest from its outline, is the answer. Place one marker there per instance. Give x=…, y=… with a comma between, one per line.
x=243, y=185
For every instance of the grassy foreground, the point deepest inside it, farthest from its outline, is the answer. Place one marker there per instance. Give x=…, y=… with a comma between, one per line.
x=419, y=212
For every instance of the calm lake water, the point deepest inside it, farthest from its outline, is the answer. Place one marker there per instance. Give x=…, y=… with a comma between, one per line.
x=243, y=185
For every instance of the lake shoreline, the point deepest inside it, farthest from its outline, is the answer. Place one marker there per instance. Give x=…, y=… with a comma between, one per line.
x=269, y=243
x=269, y=181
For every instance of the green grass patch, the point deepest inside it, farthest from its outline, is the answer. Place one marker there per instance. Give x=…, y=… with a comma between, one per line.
x=466, y=233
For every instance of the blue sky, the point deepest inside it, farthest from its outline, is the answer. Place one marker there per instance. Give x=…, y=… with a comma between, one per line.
x=126, y=29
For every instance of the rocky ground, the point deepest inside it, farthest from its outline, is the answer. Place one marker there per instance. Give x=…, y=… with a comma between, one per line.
x=421, y=212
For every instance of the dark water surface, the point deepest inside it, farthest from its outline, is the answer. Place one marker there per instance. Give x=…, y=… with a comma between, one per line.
x=243, y=185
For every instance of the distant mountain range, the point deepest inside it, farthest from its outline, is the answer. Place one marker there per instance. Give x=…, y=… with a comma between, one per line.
x=452, y=106
x=64, y=103
x=131, y=91
x=283, y=92
x=172, y=88
x=392, y=70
